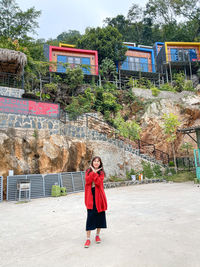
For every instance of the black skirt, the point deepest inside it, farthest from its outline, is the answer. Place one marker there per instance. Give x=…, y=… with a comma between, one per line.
x=95, y=219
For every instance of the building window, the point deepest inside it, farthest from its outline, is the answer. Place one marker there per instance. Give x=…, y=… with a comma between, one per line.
x=135, y=64
x=73, y=62
x=181, y=54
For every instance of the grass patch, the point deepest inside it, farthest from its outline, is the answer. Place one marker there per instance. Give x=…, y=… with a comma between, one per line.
x=114, y=178
x=181, y=177
x=22, y=202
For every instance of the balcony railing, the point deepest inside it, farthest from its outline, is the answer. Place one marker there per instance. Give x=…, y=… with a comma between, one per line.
x=137, y=66
x=87, y=69
x=183, y=57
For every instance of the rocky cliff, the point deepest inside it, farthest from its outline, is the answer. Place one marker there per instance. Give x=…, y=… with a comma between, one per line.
x=31, y=152
x=187, y=109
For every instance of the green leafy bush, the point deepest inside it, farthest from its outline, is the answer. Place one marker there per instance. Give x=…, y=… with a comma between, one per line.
x=171, y=164
x=173, y=171
x=188, y=86
x=167, y=87
x=157, y=170
x=147, y=170
x=115, y=178
x=129, y=173
x=142, y=83
x=74, y=78
x=108, y=69
x=81, y=104
x=167, y=170
x=155, y=91
x=179, y=81
x=127, y=129
x=74, y=109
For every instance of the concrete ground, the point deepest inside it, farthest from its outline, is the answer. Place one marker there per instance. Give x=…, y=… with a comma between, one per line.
x=153, y=225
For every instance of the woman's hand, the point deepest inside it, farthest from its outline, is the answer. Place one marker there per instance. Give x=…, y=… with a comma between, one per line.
x=93, y=169
x=99, y=169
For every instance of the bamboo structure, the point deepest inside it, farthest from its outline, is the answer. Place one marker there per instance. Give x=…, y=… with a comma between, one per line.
x=12, y=61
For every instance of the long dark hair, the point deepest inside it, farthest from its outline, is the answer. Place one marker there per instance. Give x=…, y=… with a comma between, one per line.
x=100, y=166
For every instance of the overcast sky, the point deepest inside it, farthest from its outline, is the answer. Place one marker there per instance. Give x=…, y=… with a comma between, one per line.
x=63, y=15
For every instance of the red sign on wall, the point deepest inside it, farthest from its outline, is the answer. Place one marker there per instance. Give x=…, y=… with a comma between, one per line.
x=29, y=107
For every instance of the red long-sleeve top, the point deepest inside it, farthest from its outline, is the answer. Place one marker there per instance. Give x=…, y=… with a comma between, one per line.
x=100, y=197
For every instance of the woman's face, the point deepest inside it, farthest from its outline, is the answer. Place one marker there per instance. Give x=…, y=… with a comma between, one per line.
x=96, y=163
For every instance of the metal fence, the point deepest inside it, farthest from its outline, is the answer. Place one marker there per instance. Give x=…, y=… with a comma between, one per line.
x=41, y=184
x=73, y=181
x=1, y=188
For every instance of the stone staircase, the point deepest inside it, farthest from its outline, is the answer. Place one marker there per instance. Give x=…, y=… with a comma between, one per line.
x=88, y=134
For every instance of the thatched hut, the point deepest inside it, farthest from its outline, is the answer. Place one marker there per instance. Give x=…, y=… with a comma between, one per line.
x=12, y=61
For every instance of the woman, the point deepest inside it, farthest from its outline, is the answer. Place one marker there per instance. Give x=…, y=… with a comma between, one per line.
x=95, y=199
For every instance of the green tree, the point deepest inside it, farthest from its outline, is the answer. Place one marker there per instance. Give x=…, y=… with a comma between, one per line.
x=168, y=11
x=81, y=104
x=129, y=130
x=69, y=37
x=107, y=41
x=15, y=23
x=171, y=124
x=186, y=147
x=120, y=23
x=106, y=101
x=74, y=79
x=108, y=70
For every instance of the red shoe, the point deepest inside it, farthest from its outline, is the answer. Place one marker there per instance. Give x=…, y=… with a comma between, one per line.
x=87, y=243
x=97, y=239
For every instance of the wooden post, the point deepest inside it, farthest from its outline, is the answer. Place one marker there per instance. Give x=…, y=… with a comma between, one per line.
x=170, y=71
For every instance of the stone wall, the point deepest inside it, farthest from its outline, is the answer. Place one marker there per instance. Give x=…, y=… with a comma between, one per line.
x=12, y=92
x=29, y=122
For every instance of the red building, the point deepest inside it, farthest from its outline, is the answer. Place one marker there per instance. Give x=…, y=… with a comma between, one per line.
x=87, y=59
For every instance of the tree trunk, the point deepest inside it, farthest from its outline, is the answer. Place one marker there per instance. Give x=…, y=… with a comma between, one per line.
x=40, y=86
x=174, y=154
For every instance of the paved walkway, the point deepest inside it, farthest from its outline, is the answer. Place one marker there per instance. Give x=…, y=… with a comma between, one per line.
x=149, y=225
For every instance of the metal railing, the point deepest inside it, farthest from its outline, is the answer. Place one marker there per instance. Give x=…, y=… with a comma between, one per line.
x=97, y=129
x=184, y=163
x=87, y=69
x=41, y=184
x=137, y=66
x=1, y=188
x=150, y=149
x=11, y=80
x=182, y=56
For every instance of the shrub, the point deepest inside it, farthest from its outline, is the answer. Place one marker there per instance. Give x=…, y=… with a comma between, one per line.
x=157, y=170
x=171, y=164
x=114, y=178
x=74, y=109
x=155, y=91
x=179, y=81
x=173, y=171
x=167, y=170
x=147, y=170
x=108, y=69
x=188, y=86
x=167, y=87
x=129, y=173
x=142, y=83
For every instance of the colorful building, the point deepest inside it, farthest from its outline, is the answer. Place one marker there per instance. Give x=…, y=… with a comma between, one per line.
x=178, y=56
x=87, y=59
x=157, y=47
x=179, y=51
x=139, y=59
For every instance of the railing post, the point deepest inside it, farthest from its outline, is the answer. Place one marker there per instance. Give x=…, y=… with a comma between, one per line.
x=154, y=151
x=139, y=146
x=86, y=135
